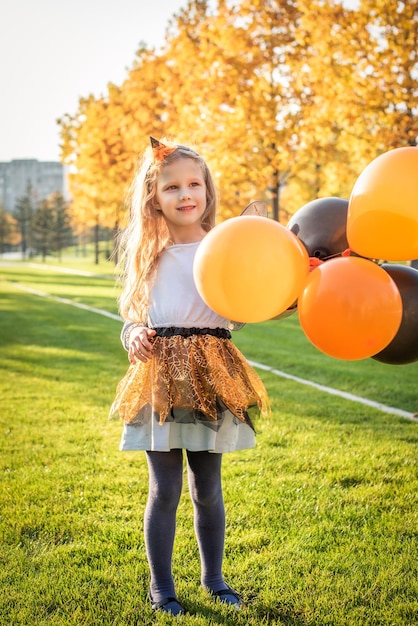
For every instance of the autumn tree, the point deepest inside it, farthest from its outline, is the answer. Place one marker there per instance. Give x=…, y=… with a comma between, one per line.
x=84, y=150
x=8, y=230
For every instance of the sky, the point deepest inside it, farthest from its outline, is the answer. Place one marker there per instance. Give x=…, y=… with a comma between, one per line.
x=52, y=52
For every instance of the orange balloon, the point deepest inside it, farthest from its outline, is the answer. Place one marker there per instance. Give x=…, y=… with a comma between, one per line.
x=382, y=219
x=349, y=307
x=250, y=268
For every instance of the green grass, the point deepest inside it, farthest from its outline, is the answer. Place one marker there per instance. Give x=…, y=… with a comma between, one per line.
x=322, y=519
x=69, y=260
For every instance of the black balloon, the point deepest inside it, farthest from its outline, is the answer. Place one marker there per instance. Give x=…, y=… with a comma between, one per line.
x=403, y=348
x=321, y=227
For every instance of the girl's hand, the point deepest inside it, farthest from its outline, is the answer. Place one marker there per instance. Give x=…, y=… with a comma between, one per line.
x=140, y=344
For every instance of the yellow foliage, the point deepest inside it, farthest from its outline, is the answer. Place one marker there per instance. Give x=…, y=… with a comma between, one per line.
x=287, y=100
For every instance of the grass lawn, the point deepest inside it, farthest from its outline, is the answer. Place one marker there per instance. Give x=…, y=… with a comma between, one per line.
x=322, y=520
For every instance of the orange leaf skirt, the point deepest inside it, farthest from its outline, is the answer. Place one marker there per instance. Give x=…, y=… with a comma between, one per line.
x=198, y=373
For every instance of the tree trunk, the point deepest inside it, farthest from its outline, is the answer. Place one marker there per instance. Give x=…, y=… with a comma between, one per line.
x=96, y=244
x=115, y=252
x=276, y=196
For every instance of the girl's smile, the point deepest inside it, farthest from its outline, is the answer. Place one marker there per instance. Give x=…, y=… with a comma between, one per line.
x=189, y=207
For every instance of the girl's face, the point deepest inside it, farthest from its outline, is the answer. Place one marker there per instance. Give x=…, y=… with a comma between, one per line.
x=181, y=197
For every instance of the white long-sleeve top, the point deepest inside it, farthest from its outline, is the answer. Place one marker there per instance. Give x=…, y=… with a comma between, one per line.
x=174, y=299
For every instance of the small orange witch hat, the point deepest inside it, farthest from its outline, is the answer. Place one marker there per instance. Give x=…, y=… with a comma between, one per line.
x=160, y=150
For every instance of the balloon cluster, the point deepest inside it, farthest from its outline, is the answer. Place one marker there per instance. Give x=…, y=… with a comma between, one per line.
x=324, y=264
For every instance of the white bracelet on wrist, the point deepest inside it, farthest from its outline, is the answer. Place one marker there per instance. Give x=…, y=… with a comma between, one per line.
x=127, y=329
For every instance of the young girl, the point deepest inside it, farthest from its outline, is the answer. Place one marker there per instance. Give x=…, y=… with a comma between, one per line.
x=188, y=387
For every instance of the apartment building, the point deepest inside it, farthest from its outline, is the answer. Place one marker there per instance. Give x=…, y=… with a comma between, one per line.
x=42, y=177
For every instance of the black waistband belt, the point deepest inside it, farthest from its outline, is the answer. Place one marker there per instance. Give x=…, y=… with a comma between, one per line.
x=170, y=331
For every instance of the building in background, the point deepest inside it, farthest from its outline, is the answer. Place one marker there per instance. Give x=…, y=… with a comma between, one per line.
x=42, y=177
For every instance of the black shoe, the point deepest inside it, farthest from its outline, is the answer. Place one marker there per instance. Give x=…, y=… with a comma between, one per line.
x=228, y=596
x=168, y=605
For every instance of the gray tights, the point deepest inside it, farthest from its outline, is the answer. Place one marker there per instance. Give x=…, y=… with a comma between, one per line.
x=165, y=486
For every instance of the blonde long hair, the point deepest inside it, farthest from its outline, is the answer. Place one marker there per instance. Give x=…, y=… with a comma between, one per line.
x=146, y=235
